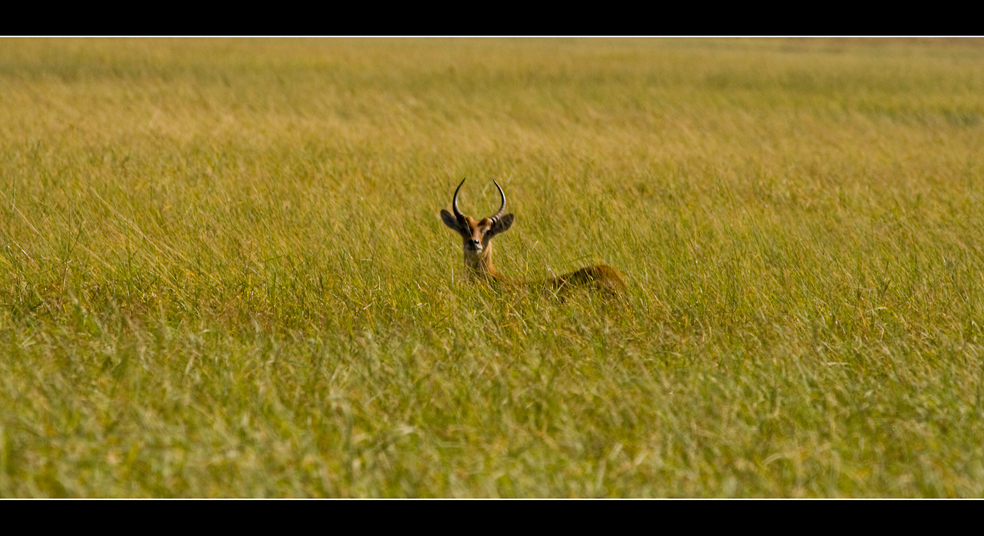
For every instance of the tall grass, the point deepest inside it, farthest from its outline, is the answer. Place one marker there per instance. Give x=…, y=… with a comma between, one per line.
x=223, y=272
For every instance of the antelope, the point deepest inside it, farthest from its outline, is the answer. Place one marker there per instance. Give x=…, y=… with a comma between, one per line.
x=477, y=245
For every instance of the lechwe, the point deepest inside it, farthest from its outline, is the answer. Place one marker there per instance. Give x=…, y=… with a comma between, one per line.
x=477, y=246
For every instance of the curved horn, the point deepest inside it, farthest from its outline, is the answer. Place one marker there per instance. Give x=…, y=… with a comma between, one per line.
x=454, y=203
x=503, y=207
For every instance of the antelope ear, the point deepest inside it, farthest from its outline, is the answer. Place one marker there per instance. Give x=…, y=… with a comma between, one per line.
x=502, y=224
x=450, y=221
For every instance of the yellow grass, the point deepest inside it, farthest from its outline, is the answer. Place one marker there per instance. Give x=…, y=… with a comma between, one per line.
x=223, y=273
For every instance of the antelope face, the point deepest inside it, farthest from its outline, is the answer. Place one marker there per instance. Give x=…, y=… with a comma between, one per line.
x=476, y=234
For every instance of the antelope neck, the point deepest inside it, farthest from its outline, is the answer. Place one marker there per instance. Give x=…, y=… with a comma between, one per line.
x=479, y=263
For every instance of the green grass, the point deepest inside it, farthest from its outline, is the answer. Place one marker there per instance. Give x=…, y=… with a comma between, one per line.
x=223, y=273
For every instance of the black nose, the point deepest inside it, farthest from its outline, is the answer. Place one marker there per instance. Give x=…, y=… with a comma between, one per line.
x=473, y=242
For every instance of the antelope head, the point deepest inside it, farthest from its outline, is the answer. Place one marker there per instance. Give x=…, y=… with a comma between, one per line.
x=477, y=234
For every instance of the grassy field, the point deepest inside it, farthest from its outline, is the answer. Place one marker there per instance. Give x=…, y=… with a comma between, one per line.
x=223, y=273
